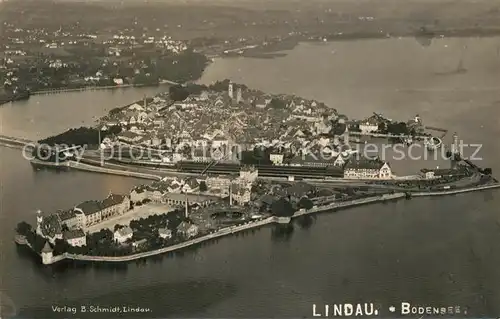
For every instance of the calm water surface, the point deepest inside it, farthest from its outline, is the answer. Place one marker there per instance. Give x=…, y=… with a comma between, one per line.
x=434, y=251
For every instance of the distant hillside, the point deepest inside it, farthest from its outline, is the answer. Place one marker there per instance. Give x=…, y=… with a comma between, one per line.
x=245, y=18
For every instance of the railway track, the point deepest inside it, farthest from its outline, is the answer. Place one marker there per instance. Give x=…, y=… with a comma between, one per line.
x=229, y=168
x=264, y=170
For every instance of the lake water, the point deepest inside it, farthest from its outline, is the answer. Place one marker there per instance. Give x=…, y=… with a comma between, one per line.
x=430, y=251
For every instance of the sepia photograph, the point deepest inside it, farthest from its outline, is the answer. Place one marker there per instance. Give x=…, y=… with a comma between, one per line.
x=249, y=159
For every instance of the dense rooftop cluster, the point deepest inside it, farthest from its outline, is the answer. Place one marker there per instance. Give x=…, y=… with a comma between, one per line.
x=236, y=117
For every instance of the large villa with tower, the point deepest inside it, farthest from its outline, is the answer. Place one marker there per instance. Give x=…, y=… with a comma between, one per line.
x=367, y=169
x=71, y=224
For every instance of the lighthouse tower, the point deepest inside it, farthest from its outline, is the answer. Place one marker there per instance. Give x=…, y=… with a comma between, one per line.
x=39, y=220
x=47, y=254
x=230, y=90
x=186, y=210
x=455, y=151
x=454, y=147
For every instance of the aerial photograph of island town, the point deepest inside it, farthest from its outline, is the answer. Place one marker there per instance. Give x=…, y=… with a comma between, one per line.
x=247, y=159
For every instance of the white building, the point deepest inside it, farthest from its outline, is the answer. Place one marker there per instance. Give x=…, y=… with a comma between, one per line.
x=69, y=218
x=201, y=155
x=123, y=234
x=440, y=173
x=188, y=230
x=190, y=185
x=240, y=193
x=369, y=125
x=276, y=159
x=138, y=194
x=165, y=233
x=115, y=205
x=93, y=212
x=218, y=182
x=249, y=173
x=367, y=170
x=75, y=238
x=129, y=137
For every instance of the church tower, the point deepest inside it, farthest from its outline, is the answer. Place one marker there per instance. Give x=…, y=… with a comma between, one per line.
x=239, y=95
x=230, y=90
x=346, y=136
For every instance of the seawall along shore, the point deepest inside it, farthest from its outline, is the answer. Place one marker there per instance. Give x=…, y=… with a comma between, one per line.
x=254, y=224
x=457, y=191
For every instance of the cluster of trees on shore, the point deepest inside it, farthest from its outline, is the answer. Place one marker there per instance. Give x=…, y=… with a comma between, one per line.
x=36, y=241
x=80, y=136
x=282, y=208
x=182, y=92
x=396, y=128
x=101, y=243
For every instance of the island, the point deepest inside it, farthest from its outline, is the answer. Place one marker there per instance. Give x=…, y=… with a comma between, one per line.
x=226, y=158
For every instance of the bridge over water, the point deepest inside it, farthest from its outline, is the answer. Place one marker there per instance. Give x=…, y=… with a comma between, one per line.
x=17, y=142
